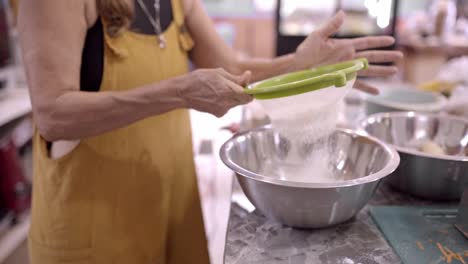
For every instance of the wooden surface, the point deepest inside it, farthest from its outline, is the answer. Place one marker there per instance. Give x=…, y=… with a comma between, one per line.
x=443, y=49
x=420, y=67
x=425, y=57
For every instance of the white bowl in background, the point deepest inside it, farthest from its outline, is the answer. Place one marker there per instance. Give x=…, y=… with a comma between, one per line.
x=404, y=99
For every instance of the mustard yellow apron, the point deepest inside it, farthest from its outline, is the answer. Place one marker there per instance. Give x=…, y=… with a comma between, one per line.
x=130, y=195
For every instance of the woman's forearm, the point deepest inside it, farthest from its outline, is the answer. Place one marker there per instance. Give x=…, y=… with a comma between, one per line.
x=63, y=112
x=77, y=115
x=52, y=34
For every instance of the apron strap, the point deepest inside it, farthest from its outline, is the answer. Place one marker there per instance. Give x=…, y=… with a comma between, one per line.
x=185, y=40
x=118, y=49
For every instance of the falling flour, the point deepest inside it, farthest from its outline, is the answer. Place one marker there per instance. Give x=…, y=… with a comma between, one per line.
x=307, y=122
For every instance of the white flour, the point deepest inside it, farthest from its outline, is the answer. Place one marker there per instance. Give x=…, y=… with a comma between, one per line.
x=306, y=121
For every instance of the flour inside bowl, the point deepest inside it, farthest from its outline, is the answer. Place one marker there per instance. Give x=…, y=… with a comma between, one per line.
x=306, y=121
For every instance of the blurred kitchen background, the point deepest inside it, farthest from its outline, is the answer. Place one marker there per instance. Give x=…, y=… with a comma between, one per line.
x=433, y=34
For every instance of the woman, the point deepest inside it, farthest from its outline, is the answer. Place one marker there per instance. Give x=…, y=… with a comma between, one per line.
x=114, y=179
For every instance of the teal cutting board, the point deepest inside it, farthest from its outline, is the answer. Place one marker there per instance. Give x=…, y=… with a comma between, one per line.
x=422, y=235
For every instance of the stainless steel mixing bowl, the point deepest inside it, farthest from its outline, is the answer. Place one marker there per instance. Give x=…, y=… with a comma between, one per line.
x=361, y=160
x=436, y=177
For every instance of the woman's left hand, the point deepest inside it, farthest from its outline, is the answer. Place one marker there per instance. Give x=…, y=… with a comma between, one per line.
x=319, y=49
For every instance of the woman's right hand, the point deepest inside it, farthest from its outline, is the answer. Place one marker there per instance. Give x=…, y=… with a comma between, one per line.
x=214, y=91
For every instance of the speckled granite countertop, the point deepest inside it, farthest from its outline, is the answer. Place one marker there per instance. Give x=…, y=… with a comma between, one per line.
x=253, y=239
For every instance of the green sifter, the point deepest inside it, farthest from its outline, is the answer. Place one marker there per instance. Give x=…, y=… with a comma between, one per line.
x=295, y=83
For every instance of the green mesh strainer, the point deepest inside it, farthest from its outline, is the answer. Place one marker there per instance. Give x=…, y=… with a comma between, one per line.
x=308, y=80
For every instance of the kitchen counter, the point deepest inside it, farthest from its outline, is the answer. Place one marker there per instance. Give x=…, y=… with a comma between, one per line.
x=252, y=238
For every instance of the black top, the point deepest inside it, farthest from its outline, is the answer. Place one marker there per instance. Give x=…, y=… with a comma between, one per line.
x=92, y=64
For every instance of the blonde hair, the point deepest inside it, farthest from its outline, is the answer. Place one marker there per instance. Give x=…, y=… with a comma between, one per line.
x=116, y=14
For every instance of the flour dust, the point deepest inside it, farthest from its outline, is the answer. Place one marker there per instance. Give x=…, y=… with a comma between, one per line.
x=306, y=123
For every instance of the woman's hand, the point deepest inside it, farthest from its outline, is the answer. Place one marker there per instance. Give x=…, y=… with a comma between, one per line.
x=214, y=91
x=319, y=49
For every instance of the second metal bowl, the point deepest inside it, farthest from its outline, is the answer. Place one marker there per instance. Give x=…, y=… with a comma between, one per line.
x=430, y=176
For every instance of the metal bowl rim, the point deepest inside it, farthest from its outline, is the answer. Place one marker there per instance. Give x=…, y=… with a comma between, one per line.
x=390, y=167
x=410, y=151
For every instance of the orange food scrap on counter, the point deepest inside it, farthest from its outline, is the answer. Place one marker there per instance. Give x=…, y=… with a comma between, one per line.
x=449, y=255
x=456, y=255
x=420, y=245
